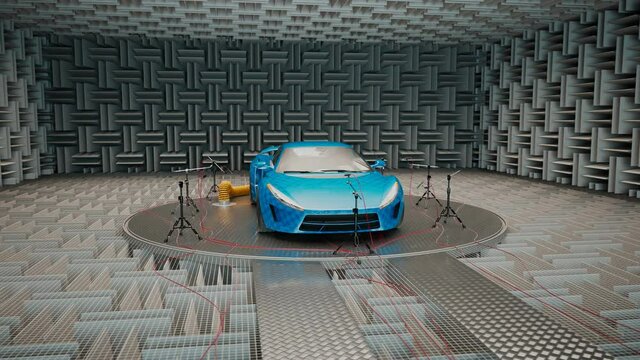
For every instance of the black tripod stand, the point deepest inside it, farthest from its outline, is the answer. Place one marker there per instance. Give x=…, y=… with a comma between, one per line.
x=428, y=193
x=448, y=211
x=187, y=199
x=214, y=187
x=356, y=238
x=181, y=222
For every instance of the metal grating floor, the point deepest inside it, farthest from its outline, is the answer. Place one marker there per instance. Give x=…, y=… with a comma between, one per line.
x=72, y=288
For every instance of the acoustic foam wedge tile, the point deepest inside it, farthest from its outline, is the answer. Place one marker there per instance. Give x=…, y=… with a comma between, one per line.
x=22, y=136
x=163, y=104
x=563, y=103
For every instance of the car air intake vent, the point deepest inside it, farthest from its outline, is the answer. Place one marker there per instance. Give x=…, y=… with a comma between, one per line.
x=343, y=222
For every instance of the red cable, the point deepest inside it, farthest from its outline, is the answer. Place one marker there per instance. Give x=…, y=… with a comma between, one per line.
x=216, y=337
x=364, y=302
x=553, y=307
x=562, y=312
x=585, y=309
x=579, y=307
x=387, y=287
x=213, y=304
x=408, y=290
x=371, y=241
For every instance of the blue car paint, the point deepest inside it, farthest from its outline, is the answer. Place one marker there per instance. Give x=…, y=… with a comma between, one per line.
x=320, y=194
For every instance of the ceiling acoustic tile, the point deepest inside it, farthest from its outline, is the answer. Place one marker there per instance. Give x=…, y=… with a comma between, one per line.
x=402, y=21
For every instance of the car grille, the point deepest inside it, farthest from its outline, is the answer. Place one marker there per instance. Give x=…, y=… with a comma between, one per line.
x=343, y=222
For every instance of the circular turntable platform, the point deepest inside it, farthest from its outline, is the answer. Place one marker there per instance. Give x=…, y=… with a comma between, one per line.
x=231, y=231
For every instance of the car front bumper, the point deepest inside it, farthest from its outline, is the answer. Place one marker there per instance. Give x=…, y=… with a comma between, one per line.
x=283, y=218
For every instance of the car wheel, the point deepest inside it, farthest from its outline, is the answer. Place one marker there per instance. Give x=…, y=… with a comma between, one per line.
x=261, y=226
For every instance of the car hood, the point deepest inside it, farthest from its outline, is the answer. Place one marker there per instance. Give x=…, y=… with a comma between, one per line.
x=331, y=191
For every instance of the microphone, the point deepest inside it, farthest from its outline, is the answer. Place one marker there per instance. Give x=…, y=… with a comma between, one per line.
x=214, y=163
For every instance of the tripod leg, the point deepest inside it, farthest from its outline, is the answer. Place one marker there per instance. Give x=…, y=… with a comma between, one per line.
x=457, y=217
x=371, y=251
x=192, y=203
x=440, y=217
x=175, y=226
x=356, y=240
x=423, y=197
x=212, y=190
x=435, y=198
x=335, y=252
x=192, y=229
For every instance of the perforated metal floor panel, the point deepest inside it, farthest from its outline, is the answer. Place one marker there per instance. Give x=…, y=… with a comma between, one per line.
x=301, y=315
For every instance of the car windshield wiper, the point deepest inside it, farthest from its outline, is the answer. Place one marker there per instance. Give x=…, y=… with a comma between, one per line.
x=339, y=170
x=323, y=170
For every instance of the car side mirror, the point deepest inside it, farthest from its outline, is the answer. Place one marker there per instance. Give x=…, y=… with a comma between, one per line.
x=264, y=166
x=379, y=164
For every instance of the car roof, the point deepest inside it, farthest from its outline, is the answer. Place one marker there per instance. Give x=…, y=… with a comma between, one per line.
x=314, y=143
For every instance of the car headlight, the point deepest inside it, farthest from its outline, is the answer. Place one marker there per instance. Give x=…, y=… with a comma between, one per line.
x=390, y=196
x=283, y=198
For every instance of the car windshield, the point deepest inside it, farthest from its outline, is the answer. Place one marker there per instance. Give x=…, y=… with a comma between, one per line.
x=318, y=159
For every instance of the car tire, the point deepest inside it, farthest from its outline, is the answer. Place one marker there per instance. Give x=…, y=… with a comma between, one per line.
x=260, y=226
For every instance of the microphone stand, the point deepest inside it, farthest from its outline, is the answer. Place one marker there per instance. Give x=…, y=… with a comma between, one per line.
x=188, y=198
x=214, y=187
x=428, y=193
x=448, y=211
x=356, y=238
x=181, y=222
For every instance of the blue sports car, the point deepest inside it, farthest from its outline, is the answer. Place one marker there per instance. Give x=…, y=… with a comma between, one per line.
x=308, y=187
